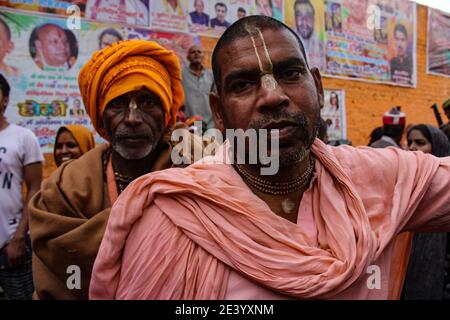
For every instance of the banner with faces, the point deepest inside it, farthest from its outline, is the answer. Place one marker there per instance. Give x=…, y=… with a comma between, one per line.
x=41, y=58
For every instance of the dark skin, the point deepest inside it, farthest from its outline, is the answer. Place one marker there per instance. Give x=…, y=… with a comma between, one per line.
x=243, y=101
x=135, y=133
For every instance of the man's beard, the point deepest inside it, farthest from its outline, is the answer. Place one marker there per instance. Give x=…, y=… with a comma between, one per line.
x=149, y=144
x=300, y=151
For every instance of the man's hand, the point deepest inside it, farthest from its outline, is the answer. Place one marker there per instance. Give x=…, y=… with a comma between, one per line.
x=15, y=252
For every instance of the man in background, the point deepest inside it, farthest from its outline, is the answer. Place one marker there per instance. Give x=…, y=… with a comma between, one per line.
x=394, y=123
x=197, y=82
x=20, y=160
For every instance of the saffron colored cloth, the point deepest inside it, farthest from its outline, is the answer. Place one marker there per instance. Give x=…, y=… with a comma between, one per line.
x=200, y=233
x=82, y=136
x=127, y=66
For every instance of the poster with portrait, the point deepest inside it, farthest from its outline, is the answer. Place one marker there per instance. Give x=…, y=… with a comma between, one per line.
x=438, y=46
x=271, y=8
x=58, y=7
x=212, y=18
x=132, y=12
x=42, y=62
x=333, y=112
x=169, y=15
x=306, y=18
x=371, y=40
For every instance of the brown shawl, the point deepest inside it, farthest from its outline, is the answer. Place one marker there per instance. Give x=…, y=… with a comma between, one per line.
x=67, y=220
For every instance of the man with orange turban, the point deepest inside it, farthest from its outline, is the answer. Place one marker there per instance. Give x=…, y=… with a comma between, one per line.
x=132, y=92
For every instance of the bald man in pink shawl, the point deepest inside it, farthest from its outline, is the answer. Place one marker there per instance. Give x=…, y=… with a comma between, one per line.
x=322, y=227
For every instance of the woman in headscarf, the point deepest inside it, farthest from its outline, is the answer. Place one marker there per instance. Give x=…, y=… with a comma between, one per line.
x=426, y=268
x=72, y=141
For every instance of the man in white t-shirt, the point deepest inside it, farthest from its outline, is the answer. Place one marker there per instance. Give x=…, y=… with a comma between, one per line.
x=20, y=160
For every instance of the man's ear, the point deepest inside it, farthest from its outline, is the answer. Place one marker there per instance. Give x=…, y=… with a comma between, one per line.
x=318, y=83
x=216, y=105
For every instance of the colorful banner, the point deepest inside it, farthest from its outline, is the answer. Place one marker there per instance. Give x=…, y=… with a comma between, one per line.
x=371, y=40
x=132, y=12
x=200, y=17
x=333, y=112
x=42, y=62
x=438, y=53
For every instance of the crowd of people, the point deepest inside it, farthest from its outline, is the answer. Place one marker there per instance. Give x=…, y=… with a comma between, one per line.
x=124, y=220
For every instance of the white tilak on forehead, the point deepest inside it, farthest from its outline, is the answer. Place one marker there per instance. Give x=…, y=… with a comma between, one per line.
x=268, y=81
x=133, y=104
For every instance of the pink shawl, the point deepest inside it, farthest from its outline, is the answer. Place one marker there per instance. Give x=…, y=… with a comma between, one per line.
x=205, y=220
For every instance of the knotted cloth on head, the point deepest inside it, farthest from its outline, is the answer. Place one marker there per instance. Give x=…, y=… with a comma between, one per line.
x=128, y=66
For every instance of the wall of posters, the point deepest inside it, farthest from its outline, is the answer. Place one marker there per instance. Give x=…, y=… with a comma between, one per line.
x=42, y=62
x=333, y=112
x=438, y=53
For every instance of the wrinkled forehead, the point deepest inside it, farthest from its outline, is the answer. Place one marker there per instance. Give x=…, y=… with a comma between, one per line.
x=241, y=52
x=194, y=49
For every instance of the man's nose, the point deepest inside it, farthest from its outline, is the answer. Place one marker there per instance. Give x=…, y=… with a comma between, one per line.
x=269, y=97
x=133, y=117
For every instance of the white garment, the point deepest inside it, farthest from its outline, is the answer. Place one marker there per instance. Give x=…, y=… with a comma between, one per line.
x=18, y=148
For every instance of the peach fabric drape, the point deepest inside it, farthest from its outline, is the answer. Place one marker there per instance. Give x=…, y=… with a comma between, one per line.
x=202, y=221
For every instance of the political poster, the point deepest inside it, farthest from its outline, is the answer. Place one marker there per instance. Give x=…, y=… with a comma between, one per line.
x=333, y=112
x=438, y=46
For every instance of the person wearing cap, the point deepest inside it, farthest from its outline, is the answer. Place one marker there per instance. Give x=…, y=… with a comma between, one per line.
x=132, y=91
x=394, y=122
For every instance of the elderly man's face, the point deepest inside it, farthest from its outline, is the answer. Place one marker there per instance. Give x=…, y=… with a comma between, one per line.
x=221, y=13
x=135, y=123
x=304, y=19
x=293, y=106
x=53, y=44
x=195, y=55
x=402, y=43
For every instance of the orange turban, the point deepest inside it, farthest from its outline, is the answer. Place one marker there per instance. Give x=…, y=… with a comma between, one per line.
x=128, y=66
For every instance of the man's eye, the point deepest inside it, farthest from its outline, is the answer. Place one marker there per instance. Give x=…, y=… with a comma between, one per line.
x=291, y=74
x=240, y=86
